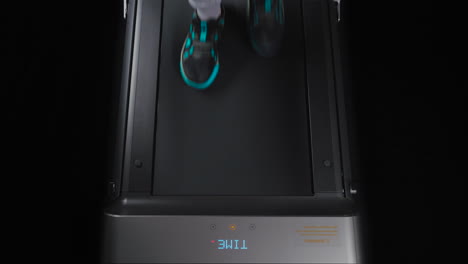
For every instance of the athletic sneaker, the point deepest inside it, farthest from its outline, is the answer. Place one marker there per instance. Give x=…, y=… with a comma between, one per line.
x=266, y=26
x=199, y=60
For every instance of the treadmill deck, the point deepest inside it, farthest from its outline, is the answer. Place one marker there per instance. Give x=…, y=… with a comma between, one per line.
x=247, y=134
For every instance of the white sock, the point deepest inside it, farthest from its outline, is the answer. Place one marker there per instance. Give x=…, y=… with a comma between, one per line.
x=209, y=13
x=207, y=9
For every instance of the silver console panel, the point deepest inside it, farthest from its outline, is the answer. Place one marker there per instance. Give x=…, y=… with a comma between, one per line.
x=230, y=239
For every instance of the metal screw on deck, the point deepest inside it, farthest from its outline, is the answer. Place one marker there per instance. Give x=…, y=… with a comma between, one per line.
x=327, y=163
x=138, y=163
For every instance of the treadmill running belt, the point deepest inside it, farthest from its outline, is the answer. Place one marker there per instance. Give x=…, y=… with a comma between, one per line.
x=248, y=133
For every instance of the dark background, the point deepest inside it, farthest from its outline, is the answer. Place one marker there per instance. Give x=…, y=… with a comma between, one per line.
x=62, y=60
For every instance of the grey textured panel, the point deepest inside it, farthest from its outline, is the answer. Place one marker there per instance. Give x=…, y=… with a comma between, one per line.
x=224, y=239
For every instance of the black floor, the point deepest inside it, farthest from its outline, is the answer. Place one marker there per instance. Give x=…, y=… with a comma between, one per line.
x=59, y=79
x=250, y=126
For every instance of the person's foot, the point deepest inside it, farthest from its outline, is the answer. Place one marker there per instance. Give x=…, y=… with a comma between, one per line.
x=199, y=60
x=266, y=26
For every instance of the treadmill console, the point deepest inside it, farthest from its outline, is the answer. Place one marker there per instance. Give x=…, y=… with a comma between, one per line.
x=226, y=239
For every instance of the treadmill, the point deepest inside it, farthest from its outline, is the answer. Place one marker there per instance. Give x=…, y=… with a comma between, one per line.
x=255, y=169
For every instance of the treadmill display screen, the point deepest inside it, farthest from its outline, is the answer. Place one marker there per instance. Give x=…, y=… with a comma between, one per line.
x=230, y=244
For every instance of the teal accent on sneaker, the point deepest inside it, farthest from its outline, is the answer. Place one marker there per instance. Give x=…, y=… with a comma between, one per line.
x=186, y=55
x=255, y=14
x=280, y=11
x=216, y=37
x=267, y=6
x=277, y=13
x=204, y=31
x=188, y=43
x=203, y=85
x=191, y=50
